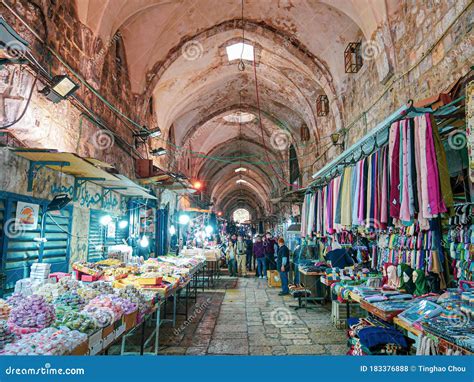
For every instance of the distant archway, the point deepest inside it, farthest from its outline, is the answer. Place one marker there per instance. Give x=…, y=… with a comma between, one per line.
x=241, y=215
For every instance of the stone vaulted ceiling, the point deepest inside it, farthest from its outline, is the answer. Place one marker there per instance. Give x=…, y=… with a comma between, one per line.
x=176, y=57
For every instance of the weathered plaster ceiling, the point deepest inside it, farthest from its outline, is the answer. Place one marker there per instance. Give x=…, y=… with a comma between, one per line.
x=176, y=55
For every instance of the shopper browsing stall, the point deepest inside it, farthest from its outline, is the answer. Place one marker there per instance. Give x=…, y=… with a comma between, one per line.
x=231, y=254
x=283, y=265
x=241, y=250
x=259, y=254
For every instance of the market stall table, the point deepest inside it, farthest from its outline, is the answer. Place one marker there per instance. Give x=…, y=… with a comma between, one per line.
x=312, y=281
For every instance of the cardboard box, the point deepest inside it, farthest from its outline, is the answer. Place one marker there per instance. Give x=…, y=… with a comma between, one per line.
x=273, y=279
x=130, y=320
x=96, y=348
x=108, y=340
x=81, y=349
x=107, y=330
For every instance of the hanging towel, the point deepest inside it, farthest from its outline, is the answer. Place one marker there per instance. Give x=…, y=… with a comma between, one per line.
x=346, y=206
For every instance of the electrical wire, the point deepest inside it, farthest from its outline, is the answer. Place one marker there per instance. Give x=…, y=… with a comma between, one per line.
x=10, y=124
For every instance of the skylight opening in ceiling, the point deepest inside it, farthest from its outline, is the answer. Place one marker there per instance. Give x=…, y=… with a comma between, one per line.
x=240, y=51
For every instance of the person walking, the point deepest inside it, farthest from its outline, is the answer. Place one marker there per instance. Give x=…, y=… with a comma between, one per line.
x=259, y=254
x=249, y=248
x=241, y=249
x=230, y=254
x=269, y=244
x=283, y=266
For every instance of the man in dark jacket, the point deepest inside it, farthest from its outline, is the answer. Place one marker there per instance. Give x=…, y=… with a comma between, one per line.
x=249, y=248
x=283, y=266
x=269, y=243
x=259, y=254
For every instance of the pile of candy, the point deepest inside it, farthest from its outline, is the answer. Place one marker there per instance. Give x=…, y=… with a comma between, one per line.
x=126, y=305
x=4, y=310
x=49, y=341
x=32, y=312
x=103, y=316
x=71, y=300
x=78, y=321
x=69, y=283
x=88, y=293
x=134, y=295
x=15, y=299
x=6, y=336
x=102, y=287
x=106, y=302
x=51, y=291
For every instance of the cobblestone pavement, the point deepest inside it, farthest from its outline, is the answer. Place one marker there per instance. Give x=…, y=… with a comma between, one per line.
x=245, y=317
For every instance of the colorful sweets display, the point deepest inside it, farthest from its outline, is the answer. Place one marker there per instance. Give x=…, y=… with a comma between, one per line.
x=4, y=310
x=78, y=321
x=6, y=336
x=32, y=312
x=106, y=302
x=72, y=300
x=103, y=316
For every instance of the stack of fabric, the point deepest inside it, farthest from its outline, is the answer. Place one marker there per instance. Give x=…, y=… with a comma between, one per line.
x=368, y=336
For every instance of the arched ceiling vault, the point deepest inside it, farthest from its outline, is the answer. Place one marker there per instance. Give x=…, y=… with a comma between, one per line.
x=176, y=56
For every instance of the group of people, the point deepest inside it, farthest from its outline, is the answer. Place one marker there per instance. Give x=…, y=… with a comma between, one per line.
x=266, y=253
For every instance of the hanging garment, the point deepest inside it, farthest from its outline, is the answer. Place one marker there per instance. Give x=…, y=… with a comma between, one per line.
x=423, y=170
x=355, y=204
x=436, y=203
x=405, y=176
x=384, y=190
x=346, y=205
x=395, y=171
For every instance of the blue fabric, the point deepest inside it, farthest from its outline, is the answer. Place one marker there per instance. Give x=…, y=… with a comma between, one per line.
x=373, y=336
x=284, y=282
x=339, y=258
x=261, y=266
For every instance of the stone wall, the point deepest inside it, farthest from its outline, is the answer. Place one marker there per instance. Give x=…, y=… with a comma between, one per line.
x=423, y=67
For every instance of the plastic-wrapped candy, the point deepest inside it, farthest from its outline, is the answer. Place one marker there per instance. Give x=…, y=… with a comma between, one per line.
x=6, y=336
x=103, y=316
x=69, y=284
x=4, y=310
x=15, y=299
x=32, y=312
x=82, y=322
x=107, y=302
x=133, y=294
x=72, y=300
x=102, y=287
x=51, y=291
x=126, y=305
x=88, y=293
x=49, y=341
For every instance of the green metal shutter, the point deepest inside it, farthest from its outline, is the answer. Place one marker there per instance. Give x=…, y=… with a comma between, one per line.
x=56, y=231
x=96, y=237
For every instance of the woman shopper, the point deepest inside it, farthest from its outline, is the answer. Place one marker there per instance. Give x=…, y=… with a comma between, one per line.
x=259, y=254
x=241, y=250
x=283, y=266
x=249, y=247
x=230, y=254
x=270, y=249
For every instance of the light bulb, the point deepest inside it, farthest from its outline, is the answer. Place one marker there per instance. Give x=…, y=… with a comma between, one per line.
x=144, y=242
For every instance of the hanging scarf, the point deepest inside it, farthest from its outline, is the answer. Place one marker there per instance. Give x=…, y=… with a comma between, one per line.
x=395, y=171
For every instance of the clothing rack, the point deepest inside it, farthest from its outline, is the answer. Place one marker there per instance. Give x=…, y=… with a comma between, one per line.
x=347, y=157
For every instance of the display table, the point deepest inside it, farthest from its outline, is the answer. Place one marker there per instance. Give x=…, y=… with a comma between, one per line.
x=312, y=282
x=407, y=327
x=387, y=316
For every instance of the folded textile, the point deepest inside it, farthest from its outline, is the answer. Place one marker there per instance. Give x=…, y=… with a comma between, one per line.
x=374, y=336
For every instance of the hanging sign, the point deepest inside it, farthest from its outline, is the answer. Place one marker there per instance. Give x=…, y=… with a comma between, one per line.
x=26, y=216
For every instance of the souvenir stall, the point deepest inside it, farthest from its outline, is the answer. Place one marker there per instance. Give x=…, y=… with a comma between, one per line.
x=387, y=203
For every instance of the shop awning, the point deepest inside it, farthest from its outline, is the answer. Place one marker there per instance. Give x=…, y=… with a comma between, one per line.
x=68, y=163
x=90, y=169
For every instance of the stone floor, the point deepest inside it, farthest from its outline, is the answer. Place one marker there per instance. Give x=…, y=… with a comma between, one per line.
x=245, y=317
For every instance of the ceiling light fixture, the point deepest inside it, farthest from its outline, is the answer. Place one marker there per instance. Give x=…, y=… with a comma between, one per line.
x=239, y=117
x=240, y=169
x=158, y=152
x=243, y=181
x=61, y=88
x=145, y=133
